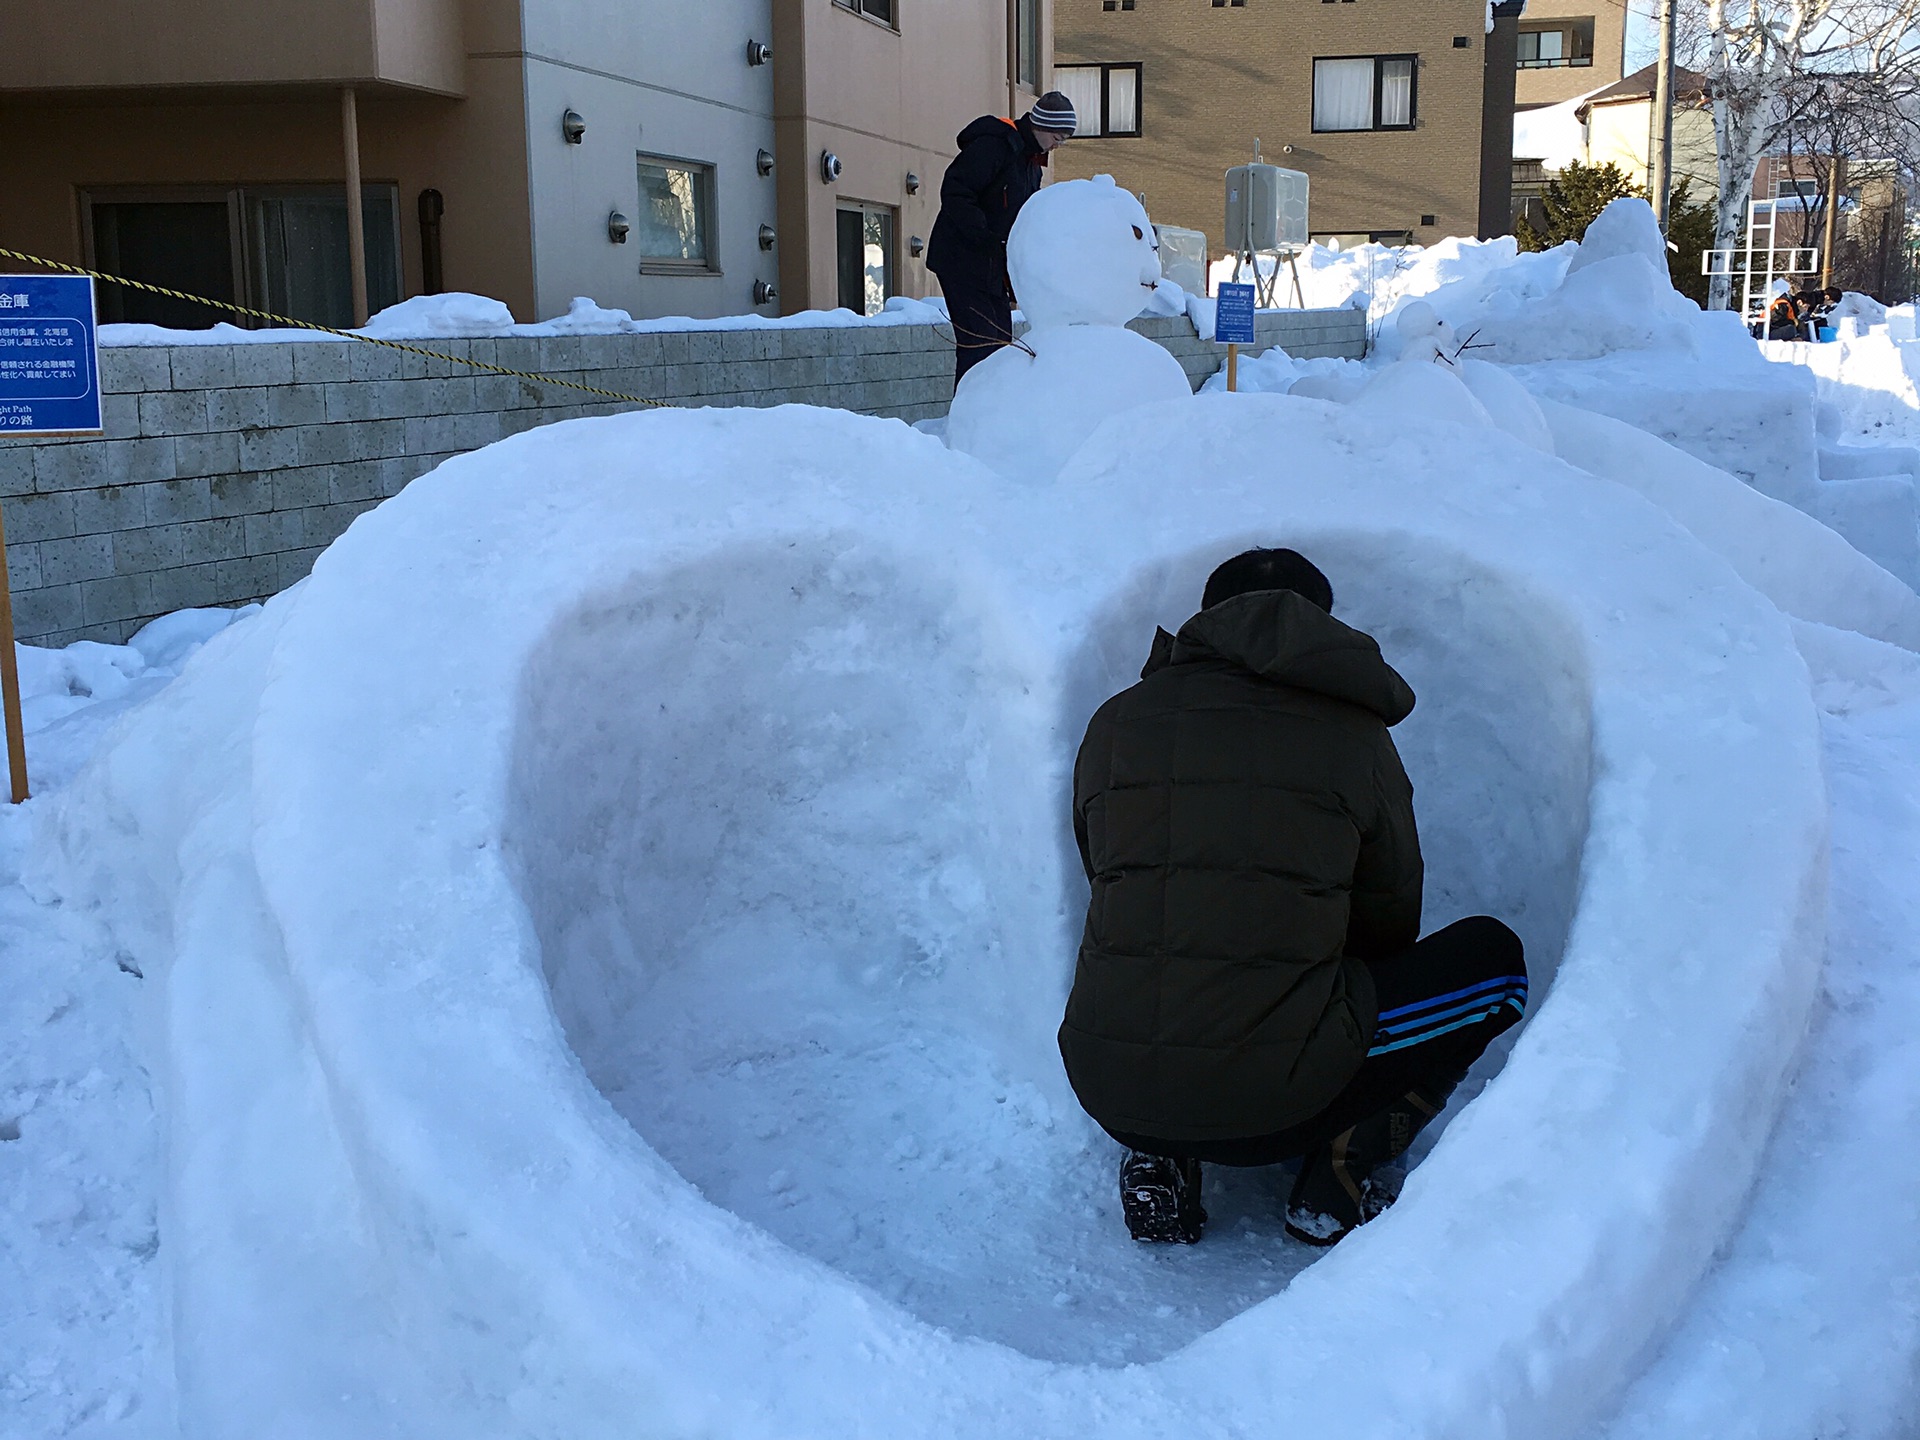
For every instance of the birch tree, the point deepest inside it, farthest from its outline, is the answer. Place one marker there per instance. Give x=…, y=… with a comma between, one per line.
x=1767, y=62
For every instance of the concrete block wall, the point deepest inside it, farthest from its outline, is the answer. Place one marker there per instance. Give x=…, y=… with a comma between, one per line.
x=225, y=469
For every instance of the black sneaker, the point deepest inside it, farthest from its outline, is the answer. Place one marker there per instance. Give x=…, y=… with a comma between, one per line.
x=1161, y=1198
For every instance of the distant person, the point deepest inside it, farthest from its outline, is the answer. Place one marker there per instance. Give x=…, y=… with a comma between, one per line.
x=997, y=170
x=1783, y=314
x=1251, y=987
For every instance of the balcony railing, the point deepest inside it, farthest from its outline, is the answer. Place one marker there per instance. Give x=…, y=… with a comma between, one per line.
x=1559, y=63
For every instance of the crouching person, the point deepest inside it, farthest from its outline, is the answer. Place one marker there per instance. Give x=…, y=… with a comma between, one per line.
x=1251, y=987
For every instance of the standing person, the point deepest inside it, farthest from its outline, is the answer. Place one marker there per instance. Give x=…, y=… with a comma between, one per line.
x=1251, y=987
x=997, y=171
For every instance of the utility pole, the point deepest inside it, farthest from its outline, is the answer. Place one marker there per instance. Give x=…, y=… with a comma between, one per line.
x=1833, y=215
x=1660, y=162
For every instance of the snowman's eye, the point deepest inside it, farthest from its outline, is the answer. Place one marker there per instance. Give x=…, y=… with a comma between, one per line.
x=1137, y=234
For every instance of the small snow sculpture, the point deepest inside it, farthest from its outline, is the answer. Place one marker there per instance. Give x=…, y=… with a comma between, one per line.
x=1084, y=262
x=1502, y=400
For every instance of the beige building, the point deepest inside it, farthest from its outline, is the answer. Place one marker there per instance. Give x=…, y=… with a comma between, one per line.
x=1385, y=105
x=661, y=158
x=1619, y=130
x=1569, y=48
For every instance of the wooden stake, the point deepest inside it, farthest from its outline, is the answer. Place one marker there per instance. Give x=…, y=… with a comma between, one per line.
x=10, y=679
x=1233, y=367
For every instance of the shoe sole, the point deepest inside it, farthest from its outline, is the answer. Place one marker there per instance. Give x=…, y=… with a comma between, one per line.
x=1153, y=1216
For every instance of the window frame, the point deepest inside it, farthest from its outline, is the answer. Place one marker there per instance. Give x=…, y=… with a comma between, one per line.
x=707, y=207
x=1380, y=63
x=846, y=205
x=1027, y=22
x=891, y=21
x=1106, y=69
x=243, y=241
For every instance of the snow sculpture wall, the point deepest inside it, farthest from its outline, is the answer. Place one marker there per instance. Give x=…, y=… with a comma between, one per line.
x=705, y=728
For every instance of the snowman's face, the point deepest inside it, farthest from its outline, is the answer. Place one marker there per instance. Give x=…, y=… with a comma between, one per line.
x=1083, y=252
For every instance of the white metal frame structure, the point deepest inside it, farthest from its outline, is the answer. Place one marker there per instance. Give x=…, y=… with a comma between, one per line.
x=1761, y=264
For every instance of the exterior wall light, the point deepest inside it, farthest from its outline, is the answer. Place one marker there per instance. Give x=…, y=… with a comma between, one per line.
x=617, y=228
x=573, y=126
x=764, y=293
x=767, y=237
x=759, y=53
x=763, y=162
x=916, y=247
x=913, y=183
x=829, y=167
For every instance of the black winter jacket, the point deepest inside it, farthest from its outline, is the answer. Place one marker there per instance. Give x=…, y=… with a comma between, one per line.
x=998, y=169
x=1248, y=830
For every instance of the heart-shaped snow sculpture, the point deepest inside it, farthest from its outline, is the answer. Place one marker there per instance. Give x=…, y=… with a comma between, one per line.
x=618, y=909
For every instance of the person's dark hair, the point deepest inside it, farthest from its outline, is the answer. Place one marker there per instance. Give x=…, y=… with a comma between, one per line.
x=1835, y=294
x=1253, y=570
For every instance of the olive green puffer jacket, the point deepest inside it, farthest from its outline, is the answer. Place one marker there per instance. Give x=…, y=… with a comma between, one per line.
x=1248, y=830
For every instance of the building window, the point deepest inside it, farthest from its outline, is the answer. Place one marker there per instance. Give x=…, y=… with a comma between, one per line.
x=674, y=227
x=1365, y=92
x=1116, y=4
x=881, y=10
x=1223, y=4
x=1106, y=98
x=1550, y=49
x=864, y=257
x=1026, y=42
x=277, y=248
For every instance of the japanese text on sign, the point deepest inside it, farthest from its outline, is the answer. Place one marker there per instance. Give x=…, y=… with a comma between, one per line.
x=49, y=361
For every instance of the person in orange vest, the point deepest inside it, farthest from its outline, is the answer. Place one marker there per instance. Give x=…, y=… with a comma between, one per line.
x=999, y=168
x=1783, y=316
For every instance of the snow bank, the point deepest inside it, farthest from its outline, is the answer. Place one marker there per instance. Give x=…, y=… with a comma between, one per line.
x=1871, y=380
x=456, y=314
x=611, y=935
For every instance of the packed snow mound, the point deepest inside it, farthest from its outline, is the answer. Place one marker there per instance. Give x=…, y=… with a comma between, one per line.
x=1625, y=227
x=1871, y=381
x=1083, y=252
x=1028, y=406
x=612, y=920
x=453, y=313
x=1610, y=293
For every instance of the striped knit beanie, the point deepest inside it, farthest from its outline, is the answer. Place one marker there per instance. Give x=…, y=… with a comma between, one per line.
x=1053, y=111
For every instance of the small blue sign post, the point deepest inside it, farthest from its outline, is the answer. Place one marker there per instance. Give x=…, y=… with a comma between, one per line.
x=49, y=355
x=1233, y=325
x=49, y=384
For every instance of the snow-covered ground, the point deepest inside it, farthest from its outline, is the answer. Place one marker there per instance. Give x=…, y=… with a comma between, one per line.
x=588, y=956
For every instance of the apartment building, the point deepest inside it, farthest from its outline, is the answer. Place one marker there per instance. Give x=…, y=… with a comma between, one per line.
x=1400, y=111
x=1568, y=48
x=735, y=156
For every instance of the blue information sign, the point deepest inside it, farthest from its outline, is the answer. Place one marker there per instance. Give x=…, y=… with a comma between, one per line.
x=49, y=359
x=1233, y=315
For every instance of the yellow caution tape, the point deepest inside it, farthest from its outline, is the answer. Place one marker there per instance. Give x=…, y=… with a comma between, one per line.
x=288, y=320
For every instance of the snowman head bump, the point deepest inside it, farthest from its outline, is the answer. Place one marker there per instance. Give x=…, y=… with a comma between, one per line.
x=1083, y=252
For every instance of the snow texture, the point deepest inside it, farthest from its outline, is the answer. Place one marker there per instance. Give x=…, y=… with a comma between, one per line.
x=650, y=992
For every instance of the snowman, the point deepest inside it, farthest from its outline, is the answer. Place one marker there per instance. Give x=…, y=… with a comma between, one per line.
x=1084, y=262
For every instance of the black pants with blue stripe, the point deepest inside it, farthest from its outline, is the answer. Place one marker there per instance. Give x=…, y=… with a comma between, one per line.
x=1441, y=1004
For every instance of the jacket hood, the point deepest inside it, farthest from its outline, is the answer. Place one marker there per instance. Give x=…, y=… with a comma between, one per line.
x=1286, y=638
x=984, y=126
